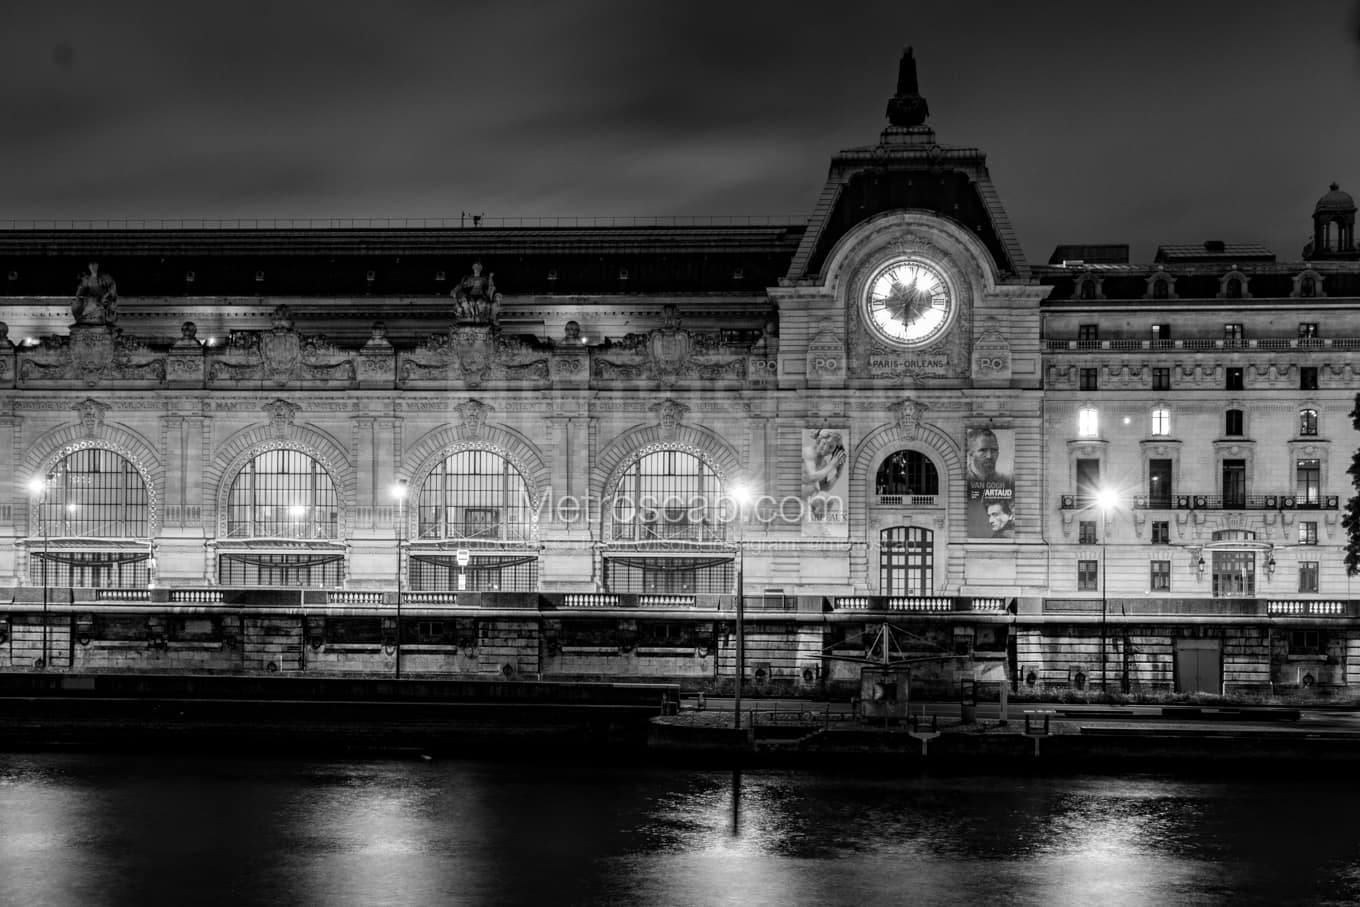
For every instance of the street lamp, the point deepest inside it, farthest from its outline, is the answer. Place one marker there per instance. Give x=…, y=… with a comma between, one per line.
x=741, y=494
x=38, y=489
x=399, y=492
x=1106, y=500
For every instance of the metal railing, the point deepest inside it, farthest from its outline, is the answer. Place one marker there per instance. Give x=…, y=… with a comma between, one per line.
x=1202, y=344
x=1197, y=501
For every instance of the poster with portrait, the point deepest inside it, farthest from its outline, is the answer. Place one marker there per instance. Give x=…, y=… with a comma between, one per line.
x=989, y=473
x=826, y=482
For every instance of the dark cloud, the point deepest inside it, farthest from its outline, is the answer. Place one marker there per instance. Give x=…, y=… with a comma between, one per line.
x=1140, y=123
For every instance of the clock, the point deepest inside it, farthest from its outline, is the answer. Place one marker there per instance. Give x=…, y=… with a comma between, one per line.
x=909, y=302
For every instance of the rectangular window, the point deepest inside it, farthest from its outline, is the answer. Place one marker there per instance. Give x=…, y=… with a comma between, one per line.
x=1088, y=422
x=1159, y=483
x=1232, y=422
x=1161, y=421
x=1161, y=332
x=1308, y=330
x=1234, y=379
x=1086, y=533
x=1160, y=579
x=1232, y=332
x=1307, y=532
x=1088, y=481
x=1088, y=576
x=1308, y=576
x=1161, y=379
x=1308, y=481
x=1305, y=642
x=1234, y=573
x=1088, y=332
x=1308, y=422
x=1235, y=484
x=1161, y=532
x=1308, y=378
x=1087, y=377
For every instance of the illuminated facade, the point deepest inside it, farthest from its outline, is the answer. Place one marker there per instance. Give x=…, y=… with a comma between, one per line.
x=883, y=414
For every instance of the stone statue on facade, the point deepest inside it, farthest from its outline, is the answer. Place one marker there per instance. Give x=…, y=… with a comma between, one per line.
x=475, y=298
x=96, y=298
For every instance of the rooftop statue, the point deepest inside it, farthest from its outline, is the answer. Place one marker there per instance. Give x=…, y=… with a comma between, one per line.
x=907, y=107
x=96, y=298
x=475, y=298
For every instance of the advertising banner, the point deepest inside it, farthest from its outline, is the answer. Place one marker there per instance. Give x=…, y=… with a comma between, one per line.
x=991, y=510
x=826, y=482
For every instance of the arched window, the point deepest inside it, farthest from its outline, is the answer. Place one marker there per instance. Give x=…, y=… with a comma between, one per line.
x=283, y=496
x=666, y=509
x=1160, y=289
x=92, y=523
x=1233, y=288
x=1308, y=286
x=907, y=473
x=475, y=499
x=906, y=561
x=1088, y=289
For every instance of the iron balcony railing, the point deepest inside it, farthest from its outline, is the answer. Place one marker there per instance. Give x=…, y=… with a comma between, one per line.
x=1196, y=344
x=1196, y=501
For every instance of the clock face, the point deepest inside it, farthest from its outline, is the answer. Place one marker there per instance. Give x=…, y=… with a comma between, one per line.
x=908, y=302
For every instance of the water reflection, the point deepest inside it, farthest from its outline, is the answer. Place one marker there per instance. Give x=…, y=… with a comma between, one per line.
x=83, y=829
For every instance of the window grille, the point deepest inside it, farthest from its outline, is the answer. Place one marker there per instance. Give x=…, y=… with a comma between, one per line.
x=478, y=497
x=908, y=472
x=906, y=561
x=91, y=569
x=668, y=496
x=484, y=573
x=312, y=569
x=283, y=494
x=713, y=575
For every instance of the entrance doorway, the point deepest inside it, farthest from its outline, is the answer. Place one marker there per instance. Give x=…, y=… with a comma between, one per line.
x=1199, y=666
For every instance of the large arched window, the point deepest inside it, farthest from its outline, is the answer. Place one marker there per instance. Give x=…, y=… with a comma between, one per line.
x=906, y=561
x=669, y=527
x=906, y=477
x=282, y=494
x=285, y=503
x=478, y=500
x=92, y=523
x=477, y=497
x=668, y=496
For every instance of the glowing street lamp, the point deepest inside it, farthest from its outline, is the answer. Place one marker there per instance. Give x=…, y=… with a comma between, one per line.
x=741, y=495
x=38, y=489
x=1107, y=499
x=399, y=492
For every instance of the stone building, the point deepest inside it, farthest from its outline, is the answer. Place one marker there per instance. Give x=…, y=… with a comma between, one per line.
x=559, y=449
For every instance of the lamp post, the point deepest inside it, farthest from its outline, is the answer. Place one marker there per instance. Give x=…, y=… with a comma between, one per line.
x=1106, y=499
x=399, y=492
x=740, y=495
x=38, y=488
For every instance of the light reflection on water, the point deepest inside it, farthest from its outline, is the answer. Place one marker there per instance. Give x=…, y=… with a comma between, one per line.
x=85, y=829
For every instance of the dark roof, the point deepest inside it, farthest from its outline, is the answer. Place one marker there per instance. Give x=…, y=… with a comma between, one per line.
x=1213, y=250
x=321, y=262
x=1106, y=254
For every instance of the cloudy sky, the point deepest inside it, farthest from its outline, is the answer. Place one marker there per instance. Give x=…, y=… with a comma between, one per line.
x=1137, y=122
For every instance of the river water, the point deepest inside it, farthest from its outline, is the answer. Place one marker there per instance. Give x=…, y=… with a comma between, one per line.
x=95, y=829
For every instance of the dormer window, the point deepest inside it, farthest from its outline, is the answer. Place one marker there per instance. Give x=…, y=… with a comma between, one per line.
x=1160, y=289
x=1233, y=289
x=1308, y=285
x=1086, y=288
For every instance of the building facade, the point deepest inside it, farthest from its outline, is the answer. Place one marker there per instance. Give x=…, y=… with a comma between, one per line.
x=563, y=450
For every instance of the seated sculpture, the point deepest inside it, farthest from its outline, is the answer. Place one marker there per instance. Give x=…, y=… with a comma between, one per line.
x=96, y=298
x=475, y=297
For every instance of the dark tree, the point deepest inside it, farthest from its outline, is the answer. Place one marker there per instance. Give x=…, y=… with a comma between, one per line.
x=1352, y=518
